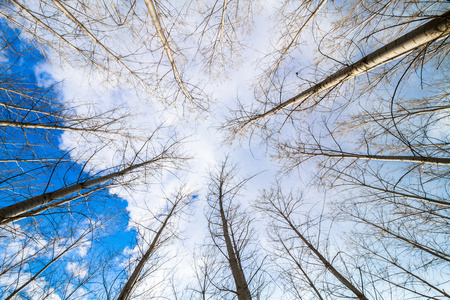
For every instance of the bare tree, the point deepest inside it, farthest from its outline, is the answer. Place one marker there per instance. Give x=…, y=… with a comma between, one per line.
x=167, y=155
x=434, y=30
x=40, y=262
x=206, y=270
x=282, y=210
x=151, y=6
x=88, y=34
x=294, y=23
x=54, y=28
x=232, y=234
x=175, y=206
x=401, y=244
x=220, y=30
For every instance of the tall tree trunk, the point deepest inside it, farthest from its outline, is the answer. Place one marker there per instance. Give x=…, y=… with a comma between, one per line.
x=324, y=261
x=396, y=263
x=321, y=151
x=242, y=290
x=159, y=30
x=57, y=126
x=431, y=251
x=281, y=213
x=8, y=212
x=131, y=282
x=11, y=106
x=435, y=29
x=408, y=195
x=44, y=208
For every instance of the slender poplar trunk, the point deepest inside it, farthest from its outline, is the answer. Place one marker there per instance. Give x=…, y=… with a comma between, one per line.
x=12, y=106
x=5, y=123
x=44, y=208
x=7, y=213
x=31, y=160
x=435, y=29
x=325, y=262
x=396, y=264
x=131, y=282
x=407, y=195
x=399, y=158
x=243, y=293
x=159, y=30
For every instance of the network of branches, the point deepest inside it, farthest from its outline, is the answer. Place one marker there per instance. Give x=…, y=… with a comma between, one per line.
x=104, y=109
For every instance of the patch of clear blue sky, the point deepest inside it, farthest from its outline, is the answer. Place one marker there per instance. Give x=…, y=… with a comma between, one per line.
x=20, y=180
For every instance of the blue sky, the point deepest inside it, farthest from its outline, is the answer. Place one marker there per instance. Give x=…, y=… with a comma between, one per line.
x=19, y=61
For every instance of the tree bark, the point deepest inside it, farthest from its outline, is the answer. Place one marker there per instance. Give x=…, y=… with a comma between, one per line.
x=131, y=282
x=284, y=213
x=431, y=251
x=243, y=293
x=400, y=158
x=326, y=263
x=8, y=212
x=435, y=29
x=44, y=208
x=5, y=123
x=408, y=195
x=159, y=30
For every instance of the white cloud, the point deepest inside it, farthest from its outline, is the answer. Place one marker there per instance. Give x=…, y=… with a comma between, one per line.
x=76, y=269
x=81, y=85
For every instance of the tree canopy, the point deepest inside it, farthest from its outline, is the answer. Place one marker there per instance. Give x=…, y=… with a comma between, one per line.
x=224, y=149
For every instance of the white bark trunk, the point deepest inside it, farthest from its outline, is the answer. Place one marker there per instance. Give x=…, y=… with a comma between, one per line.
x=243, y=293
x=411, y=196
x=5, y=123
x=159, y=30
x=131, y=282
x=436, y=29
x=42, y=209
x=12, y=106
x=398, y=158
x=8, y=212
x=439, y=254
x=326, y=263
